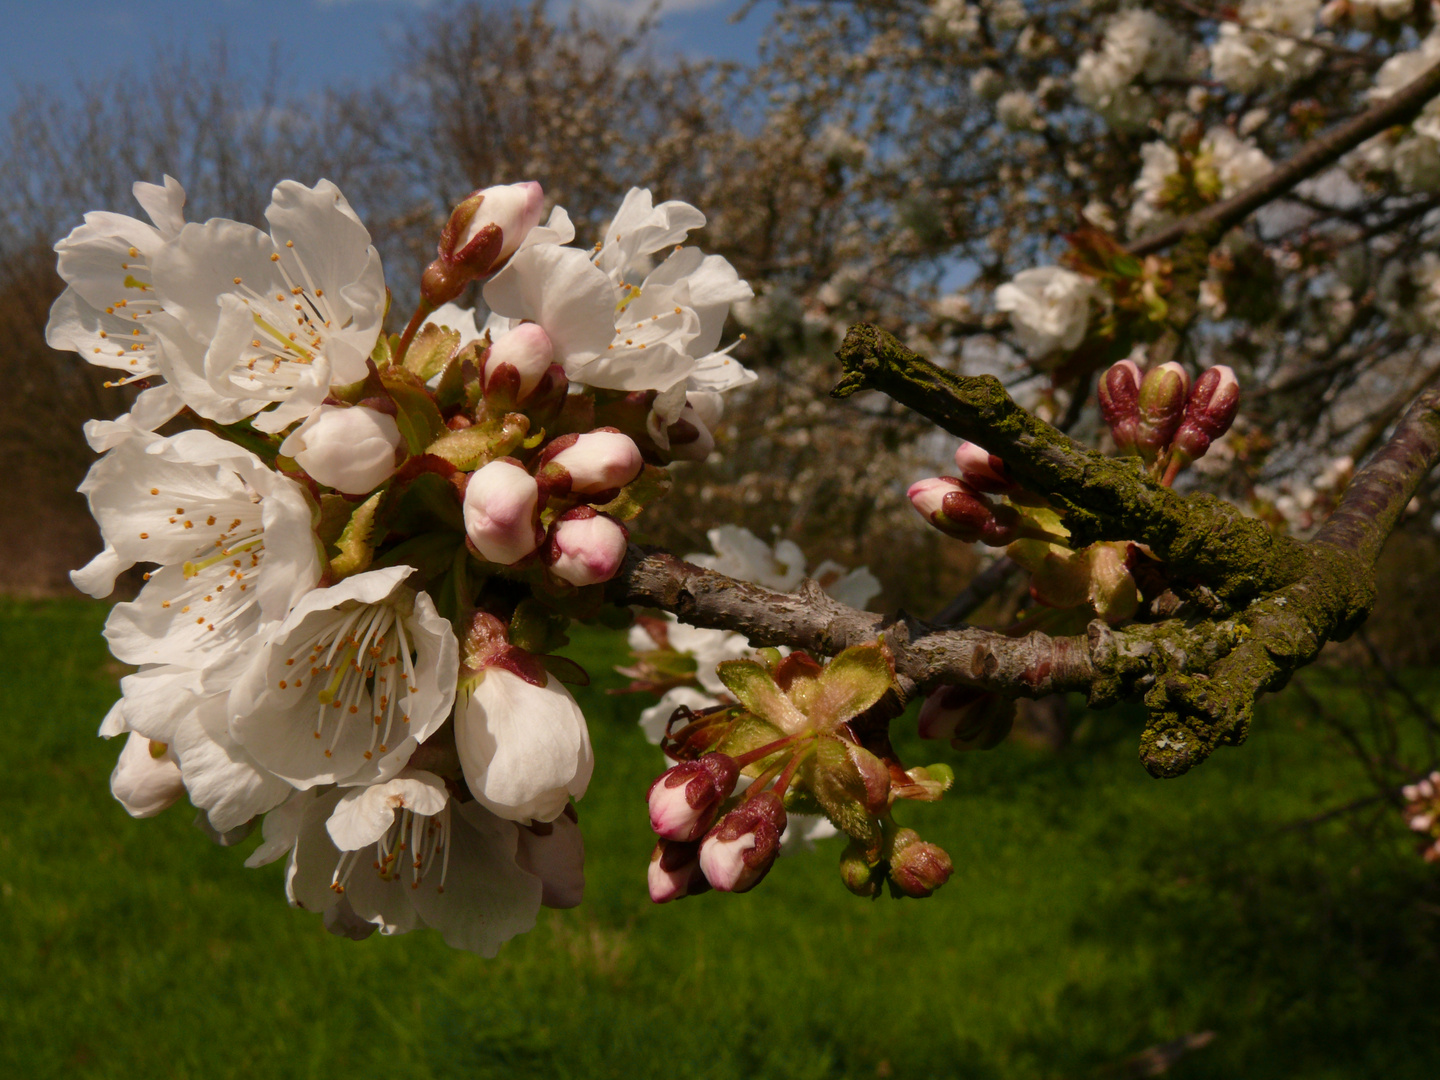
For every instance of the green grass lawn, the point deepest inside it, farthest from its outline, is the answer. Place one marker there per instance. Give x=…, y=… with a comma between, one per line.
x=1094, y=912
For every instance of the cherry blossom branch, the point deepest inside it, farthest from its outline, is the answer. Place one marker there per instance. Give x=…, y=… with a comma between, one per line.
x=1320, y=152
x=1103, y=498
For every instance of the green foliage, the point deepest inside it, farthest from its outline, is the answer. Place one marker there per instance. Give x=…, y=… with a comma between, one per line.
x=1093, y=913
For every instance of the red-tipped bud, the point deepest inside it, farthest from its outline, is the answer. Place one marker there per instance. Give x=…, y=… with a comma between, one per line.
x=1120, y=403
x=484, y=230
x=1209, y=412
x=501, y=511
x=586, y=547
x=739, y=851
x=516, y=363
x=1162, y=408
x=917, y=867
x=685, y=799
x=982, y=470
x=675, y=871
x=958, y=510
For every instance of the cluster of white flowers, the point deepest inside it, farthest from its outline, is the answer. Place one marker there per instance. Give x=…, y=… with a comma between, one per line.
x=741, y=554
x=1411, y=152
x=1410, y=295
x=1139, y=47
x=953, y=19
x=361, y=569
x=1266, y=46
x=1019, y=111
x=1223, y=164
x=1049, y=308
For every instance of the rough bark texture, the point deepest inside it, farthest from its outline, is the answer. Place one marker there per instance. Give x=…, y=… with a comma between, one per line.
x=1199, y=676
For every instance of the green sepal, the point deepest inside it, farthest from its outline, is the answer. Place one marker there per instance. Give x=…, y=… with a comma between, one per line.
x=479, y=444
x=749, y=732
x=384, y=350
x=354, y=546
x=653, y=483
x=427, y=502
x=850, y=684
x=755, y=688
x=417, y=415
x=332, y=515
x=430, y=350
x=431, y=553
x=539, y=628
x=565, y=669
x=836, y=781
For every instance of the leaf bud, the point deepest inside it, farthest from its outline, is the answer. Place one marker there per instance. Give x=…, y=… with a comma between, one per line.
x=1162, y=408
x=1209, y=412
x=685, y=799
x=675, y=871
x=1119, y=403
x=501, y=511
x=917, y=867
x=586, y=547
x=741, y=847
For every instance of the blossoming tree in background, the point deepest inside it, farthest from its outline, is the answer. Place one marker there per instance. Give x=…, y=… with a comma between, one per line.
x=370, y=531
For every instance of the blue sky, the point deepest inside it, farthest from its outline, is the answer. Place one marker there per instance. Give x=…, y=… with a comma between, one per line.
x=322, y=43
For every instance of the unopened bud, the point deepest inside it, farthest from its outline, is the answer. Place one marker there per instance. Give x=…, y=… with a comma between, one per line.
x=739, y=851
x=1209, y=412
x=502, y=512
x=1162, y=407
x=146, y=779
x=586, y=547
x=1120, y=403
x=685, y=799
x=917, y=867
x=982, y=470
x=675, y=871
x=351, y=449
x=484, y=230
x=958, y=510
x=516, y=363
x=859, y=876
x=595, y=463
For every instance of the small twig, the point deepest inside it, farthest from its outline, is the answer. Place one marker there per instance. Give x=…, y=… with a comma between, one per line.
x=982, y=586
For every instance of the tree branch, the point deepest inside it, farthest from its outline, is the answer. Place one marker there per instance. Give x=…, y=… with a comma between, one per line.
x=1324, y=150
x=1103, y=498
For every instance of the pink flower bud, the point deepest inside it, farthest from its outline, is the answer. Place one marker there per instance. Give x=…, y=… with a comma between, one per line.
x=518, y=361
x=502, y=512
x=739, y=851
x=982, y=470
x=685, y=799
x=945, y=710
x=349, y=449
x=484, y=230
x=972, y=719
x=675, y=871
x=1161, y=408
x=595, y=462
x=917, y=868
x=585, y=547
x=1119, y=402
x=146, y=779
x=958, y=510
x=1209, y=412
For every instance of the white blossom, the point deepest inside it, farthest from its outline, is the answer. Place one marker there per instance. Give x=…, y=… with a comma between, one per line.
x=1049, y=308
x=1018, y=111
x=146, y=779
x=1139, y=46
x=1262, y=49
x=1159, y=162
x=352, y=450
